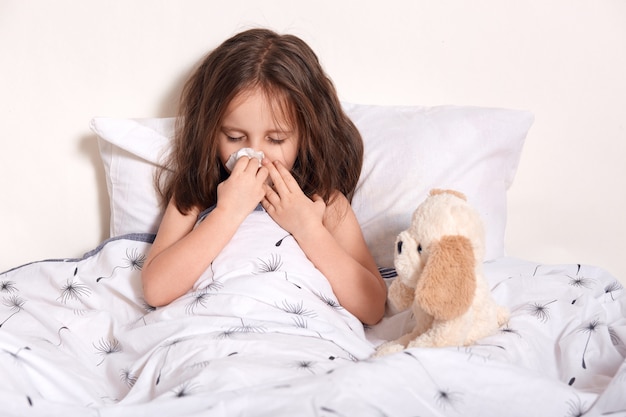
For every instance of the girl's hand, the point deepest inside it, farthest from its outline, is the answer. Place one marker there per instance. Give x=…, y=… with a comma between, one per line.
x=242, y=191
x=287, y=204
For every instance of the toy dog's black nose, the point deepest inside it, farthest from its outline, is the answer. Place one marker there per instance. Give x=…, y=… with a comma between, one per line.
x=399, y=247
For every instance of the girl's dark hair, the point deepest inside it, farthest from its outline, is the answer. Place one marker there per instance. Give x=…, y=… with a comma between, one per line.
x=330, y=151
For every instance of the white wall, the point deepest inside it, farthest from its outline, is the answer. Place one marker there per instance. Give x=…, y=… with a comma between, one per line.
x=64, y=62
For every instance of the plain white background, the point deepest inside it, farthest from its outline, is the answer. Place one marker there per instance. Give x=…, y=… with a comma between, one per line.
x=64, y=62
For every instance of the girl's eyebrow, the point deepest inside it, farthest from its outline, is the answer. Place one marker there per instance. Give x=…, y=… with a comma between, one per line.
x=272, y=131
x=224, y=127
x=284, y=132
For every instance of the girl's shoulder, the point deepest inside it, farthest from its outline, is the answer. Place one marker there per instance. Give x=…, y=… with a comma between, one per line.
x=337, y=209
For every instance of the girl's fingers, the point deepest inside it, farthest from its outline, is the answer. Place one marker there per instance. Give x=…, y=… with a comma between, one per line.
x=284, y=182
x=270, y=195
x=266, y=204
x=253, y=164
x=250, y=165
x=289, y=180
x=240, y=165
x=262, y=174
x=277, y=179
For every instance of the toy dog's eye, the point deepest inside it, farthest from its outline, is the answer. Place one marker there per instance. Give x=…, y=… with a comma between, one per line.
x=399, y=247
x=419, y=248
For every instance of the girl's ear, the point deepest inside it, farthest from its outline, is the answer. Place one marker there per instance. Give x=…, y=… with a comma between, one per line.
x=446, y=287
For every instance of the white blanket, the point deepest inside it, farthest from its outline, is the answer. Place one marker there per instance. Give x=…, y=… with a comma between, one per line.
x=261, y=333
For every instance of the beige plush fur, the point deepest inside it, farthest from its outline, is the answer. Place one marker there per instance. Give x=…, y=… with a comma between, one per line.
x=439, y=264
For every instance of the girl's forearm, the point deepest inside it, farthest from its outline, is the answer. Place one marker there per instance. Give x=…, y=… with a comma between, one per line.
x=355, y=286
x=173, y=272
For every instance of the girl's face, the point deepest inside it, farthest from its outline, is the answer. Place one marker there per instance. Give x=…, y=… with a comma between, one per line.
x=253, y=121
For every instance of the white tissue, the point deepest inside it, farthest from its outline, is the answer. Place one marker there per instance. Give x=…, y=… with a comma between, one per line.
x=249, y=152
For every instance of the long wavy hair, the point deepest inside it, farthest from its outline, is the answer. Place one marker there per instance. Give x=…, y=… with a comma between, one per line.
x=330, y=151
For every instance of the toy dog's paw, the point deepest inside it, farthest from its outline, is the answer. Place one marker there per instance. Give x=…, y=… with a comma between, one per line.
x=399, y=296
x=388, y=348
x=503, y=315
x=435, y=340
x=421, y=342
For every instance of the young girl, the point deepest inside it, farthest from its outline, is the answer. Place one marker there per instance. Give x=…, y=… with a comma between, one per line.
x=267, y=92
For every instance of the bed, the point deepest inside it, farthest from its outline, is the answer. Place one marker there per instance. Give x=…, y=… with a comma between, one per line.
x=269, y=338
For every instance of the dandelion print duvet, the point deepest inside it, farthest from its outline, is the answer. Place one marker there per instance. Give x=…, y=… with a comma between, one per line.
x=262, y=334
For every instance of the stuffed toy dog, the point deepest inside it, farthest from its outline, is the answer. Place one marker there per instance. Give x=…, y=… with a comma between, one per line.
x=439, y=264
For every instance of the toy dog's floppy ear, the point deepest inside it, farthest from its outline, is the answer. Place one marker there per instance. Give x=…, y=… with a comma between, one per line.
x=446, y=287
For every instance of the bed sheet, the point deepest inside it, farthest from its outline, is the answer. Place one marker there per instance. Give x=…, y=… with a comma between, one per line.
x=77, y=339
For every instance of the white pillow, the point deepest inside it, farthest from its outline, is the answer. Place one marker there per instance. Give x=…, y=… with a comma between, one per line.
x=408, y=151
x=130, y=150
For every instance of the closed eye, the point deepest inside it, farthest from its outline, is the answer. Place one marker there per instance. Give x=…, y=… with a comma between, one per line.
x=234, y=139
x=275, y=141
